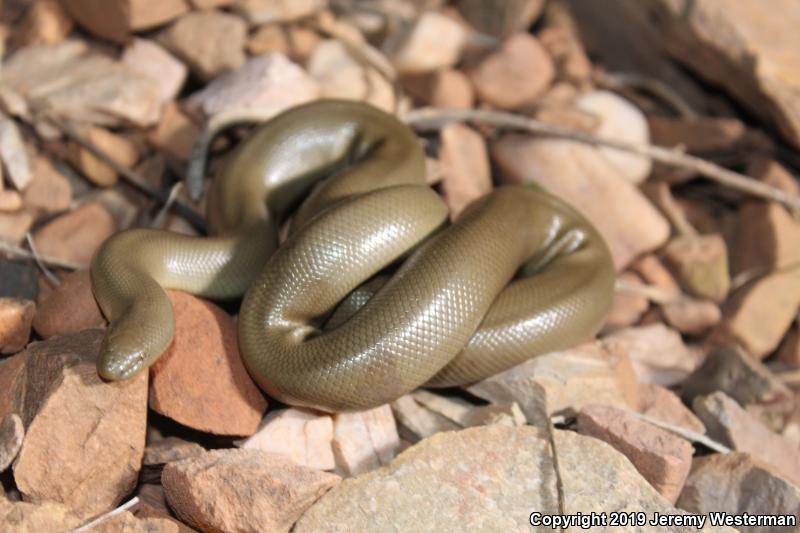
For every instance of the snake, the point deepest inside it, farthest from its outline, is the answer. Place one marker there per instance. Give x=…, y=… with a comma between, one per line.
x=374, y=292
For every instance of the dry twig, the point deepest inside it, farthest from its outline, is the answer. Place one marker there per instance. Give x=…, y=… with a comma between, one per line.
x=52, y=277
x=102, y=518
x=44, y=259
x=432, y=118
x=693, y=436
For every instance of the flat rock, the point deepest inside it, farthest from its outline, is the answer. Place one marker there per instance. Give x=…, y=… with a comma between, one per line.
x=700, y=264
x=767, y=238
x=209, y=42
x=416, y=422
x=150, y=59
x=515, y=75
x=744, y=50
x=737, y=429
x=45, y=22
x=750, y=487
x=664, y=405
x=488, y=478
x=435, y=41
x=465, y=163
x=20, y=280
x=201, y=381
x=120, y=149
x=662, y=458
x=581, y=176
x=169, y=450
x=259, y=12
x=49, y=192
x=619, y=120
x=16, y=316
x=758, y=315
x=657, y=353
x=76, y=235
x=69, y=308
x=242, y=490
x=119, y=18
x=364, y=441
x=175, y=134
x=24, y=517
x=269, y=83
x=82, y=85
x=563, y=382
x=447, y=88
x=298, y=435
x=11, y=435
x=85, y=437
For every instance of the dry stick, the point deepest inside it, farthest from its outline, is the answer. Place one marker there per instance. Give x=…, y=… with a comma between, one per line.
x=102, y=518
x=432, y=118
x=129, y=175
x=47, y=260
x=52, y=277
x=682, y=432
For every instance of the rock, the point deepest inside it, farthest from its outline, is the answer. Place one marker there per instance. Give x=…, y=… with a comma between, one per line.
x=209, y=42
x=506, y=414
x=581, y=176
x=766, y=239
x=700, y=263
x=119, y=148
x=270, y=83
x=45, y=22
x=11, y=434
x=300, y=436
x=566, y=49
x=620, y=121
x=20, y=280
x=664, y=405
x=465, y=162
x=340, y=75
x=12, y=385
x=445, y=88
x=731, y=370
x=10, y=201
x=452, y=408
x=363, y=441
x=14, y=226
x=127, y=522
x=502, y=17
x=16, y=316
x=654, y=272
x=657, y=353
x=302, y=41
x=153, y=504
x=175, y=134
x=627, y=307
x=697, y=135
x=750, y=487
x=14, y=153
x=434, y=42
x=259, y=12
x=208, y=4
x=737, y=429
x=119, y=18
x=200, y=381
x=150, y=59
x=563, y=382
x=79, y=427
x=744, y=50
x=268, y=38
x=70, y=308
x=789, y=352
x=170, y=450
x=515, y=75
x=242, y=490
x=662, y=458
x=416, y=422
x=485, y=478
x=772, y=173
x=49, y=192
x=758, y=315
x=81, y=85
x=74, y=236
x=23, y=517
x=691, y=316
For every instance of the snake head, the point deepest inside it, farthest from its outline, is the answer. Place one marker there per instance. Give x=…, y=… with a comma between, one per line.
x=118, y=362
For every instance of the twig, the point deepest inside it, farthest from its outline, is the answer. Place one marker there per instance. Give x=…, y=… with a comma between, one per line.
x=693, y=436
x=432, y=118
x=102, y=518
x=551, y=433
x=158, y=220
x=127, y=174
x=47, y=260
x=622, y=80
x=52, y=277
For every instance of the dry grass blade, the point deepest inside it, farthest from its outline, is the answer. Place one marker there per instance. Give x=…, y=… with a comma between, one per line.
x=47, y=260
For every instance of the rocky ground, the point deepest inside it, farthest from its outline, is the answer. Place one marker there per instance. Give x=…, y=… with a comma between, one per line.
x=685, y=403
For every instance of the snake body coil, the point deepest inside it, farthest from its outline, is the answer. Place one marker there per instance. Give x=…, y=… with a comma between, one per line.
x=519, y=274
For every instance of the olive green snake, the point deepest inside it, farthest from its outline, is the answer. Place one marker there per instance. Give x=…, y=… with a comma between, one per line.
x=426, y=302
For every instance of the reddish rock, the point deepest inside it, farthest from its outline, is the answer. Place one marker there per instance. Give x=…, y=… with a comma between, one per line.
x=10, y=201
x=268, y=38
x=700, y=263
x=23, y=517
x=50, y=191
x=691, y=315
x=434, y=42
x=789, y=352
x=127, y=522
x=69, y=308
x=200, y=381
x=210, y=42
x=12, y=384
x=446, y=88
x=697, y=135
x=302, y=41
x=627, y=307
x=365, y=440
x=118, y=18
x=663, y=404
x=655, y=273
x=569, y=57
x=518, y=73
x=766, y=239
x=76, y=235
x=119, y=148
x=14, y=226
x=45, y=22
x=662, y=458
x=16, y=316
x=772, y=173
x=150, y=59
x=78, y=427
x=169, y=450
x=175, y=134
x=465, y=162
x=242, y=490
x=11, y=434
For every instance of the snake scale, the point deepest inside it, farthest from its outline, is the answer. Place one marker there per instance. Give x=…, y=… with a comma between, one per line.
x=520, y=273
